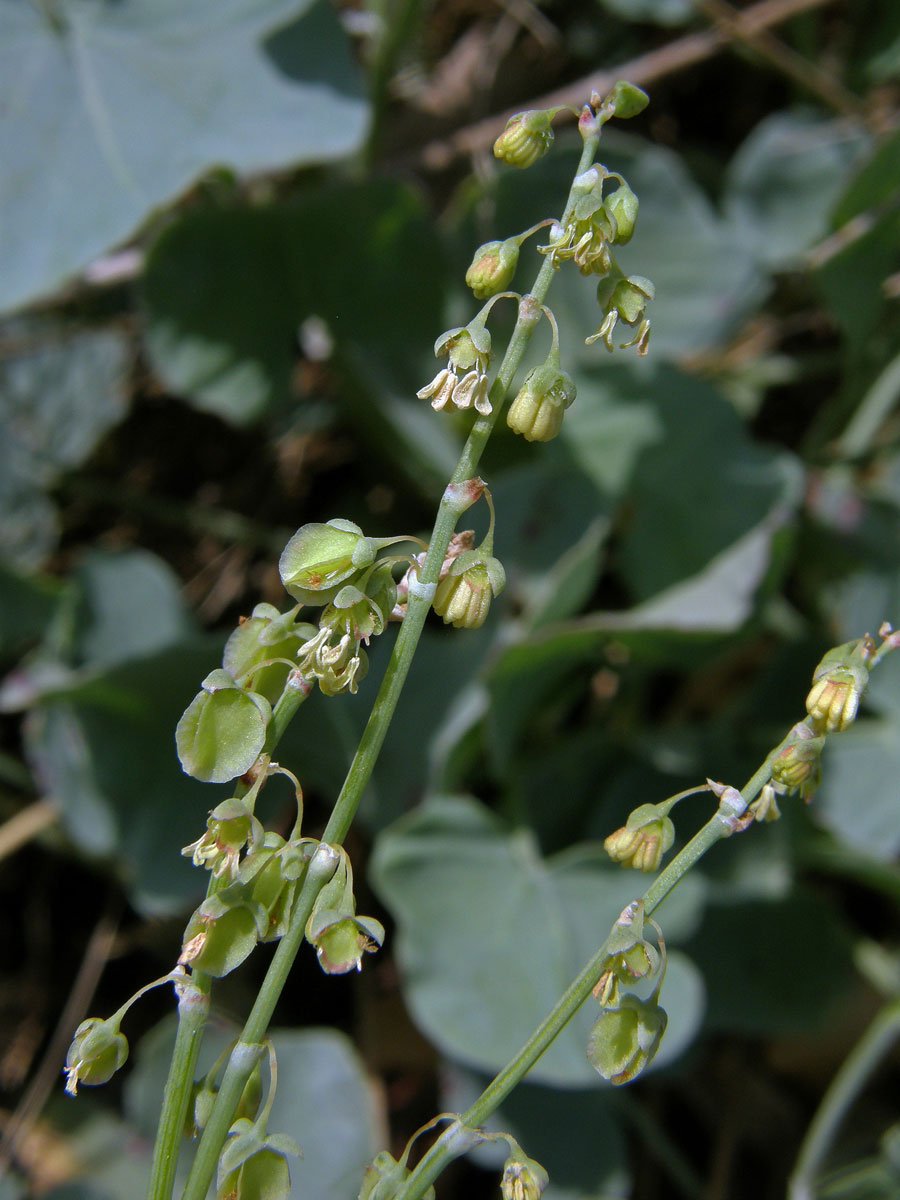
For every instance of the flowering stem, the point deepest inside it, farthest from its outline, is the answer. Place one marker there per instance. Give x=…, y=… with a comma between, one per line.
x=449, y=1145
x=360, y=770
x=193, y=1009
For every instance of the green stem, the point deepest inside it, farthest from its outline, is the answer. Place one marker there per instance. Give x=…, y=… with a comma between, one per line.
x=852, y=1076
x=193, y=1009
x=360, y=770
x=398, y=22
x=873, y=411
x=451, y=1143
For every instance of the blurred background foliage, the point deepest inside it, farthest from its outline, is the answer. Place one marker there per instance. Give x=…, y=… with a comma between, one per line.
x=231, y=233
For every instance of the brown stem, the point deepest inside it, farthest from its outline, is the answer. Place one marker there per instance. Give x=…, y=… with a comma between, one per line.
x=676, y=56
x=807, y=75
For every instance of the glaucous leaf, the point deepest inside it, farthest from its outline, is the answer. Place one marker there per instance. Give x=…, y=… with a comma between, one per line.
x=480, y=913
x=132, y=606
x=225, y=291
x=123, y=105
x=62, y=392
x=784, y=181
x=102, y=748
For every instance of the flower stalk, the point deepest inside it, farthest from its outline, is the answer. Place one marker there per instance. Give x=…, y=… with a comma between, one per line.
x=418, y=606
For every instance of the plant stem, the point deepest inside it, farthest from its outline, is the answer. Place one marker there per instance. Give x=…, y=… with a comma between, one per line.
x=360, y=770
x=450, y=1145
x=862, y=1060
x=193, y=1009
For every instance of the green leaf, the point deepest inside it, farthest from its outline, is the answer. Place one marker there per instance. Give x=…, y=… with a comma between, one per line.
x=577, y=1136
x=225, y=291
x=783, y=183
x=221, y=733
x=324, y=1101
x=873, y=185
x=61, y=392
x=660, y=12
x=123, y=105
x=859, y=797
x=852, y=279
x=102, y=748
x=859, y=605
x=27, y=607
x=553, y=528
x=609, y=426
x=699, y=489
x=133, y=607
x=112, y=1163
x=481, y=914
x=771, y=966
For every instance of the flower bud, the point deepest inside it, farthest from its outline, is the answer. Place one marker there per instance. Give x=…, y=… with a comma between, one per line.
x=834, y=700
x=626, y=100
x=523, y=1178
x=319, y=558
x=97, y=1051
x=623, y=205
x=795, y=768
x=229, y=827
x=492, y=268
x=624, y=1040
x=463, y=596
x=384, y=1176
x=643, y=839
x=765, y=806
x=466, y=346
x=526, y=138
x=266, y=634
x=630, y=296
x=839, y=682
x=252, y=1167
x=537, y=411
x=335, y=660
x=219, y=936
x=363, y=612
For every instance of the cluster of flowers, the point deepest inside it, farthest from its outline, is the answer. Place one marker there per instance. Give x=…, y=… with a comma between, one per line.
x=629, y=1029
x=595, y=221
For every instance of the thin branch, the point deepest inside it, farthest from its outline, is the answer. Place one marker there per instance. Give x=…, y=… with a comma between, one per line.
x=26, y=825
x=805, y=74
x=96, y=956
x=676, y=56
